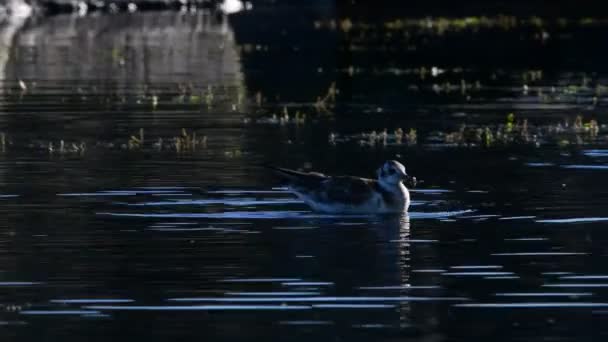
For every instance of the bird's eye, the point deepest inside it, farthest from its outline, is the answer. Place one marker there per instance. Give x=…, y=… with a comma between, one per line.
x=391, y=171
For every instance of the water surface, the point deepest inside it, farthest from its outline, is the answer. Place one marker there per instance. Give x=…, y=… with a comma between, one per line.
x=154, y=220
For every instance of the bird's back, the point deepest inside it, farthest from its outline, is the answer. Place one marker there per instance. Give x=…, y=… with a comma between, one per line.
x=341, y=193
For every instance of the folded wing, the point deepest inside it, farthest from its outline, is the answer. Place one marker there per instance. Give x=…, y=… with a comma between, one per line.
x=322, y=189
x=346, y=189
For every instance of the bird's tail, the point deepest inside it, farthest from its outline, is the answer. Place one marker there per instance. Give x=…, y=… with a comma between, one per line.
x=287, y=174
x=297, y=177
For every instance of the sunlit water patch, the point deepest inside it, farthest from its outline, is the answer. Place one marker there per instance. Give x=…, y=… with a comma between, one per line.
x=18, y=283
x=596, y=153
x=585, y=167
x=582, y=277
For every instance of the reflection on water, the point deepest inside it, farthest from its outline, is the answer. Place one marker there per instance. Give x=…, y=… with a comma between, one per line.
x=131, y=193
x=129, y=49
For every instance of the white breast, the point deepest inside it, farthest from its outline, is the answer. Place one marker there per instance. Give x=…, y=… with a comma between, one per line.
x=375, y=204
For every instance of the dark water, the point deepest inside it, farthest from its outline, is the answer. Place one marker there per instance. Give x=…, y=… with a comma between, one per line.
x=183, y=237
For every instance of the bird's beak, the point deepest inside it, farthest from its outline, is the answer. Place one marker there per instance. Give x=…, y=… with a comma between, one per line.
x=409, y=181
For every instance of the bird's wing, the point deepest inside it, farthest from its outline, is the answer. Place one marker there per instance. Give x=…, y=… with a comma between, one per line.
x=346, y=189
x=321, y=188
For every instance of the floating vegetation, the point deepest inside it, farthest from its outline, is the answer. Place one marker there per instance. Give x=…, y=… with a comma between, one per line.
x=63, y=148
x=188, y=142
x=511, y=132
x=136, y=142
x=209, y=96
x=441, y=25
x=373, y=138
x=154, y=101
x=323, y=104
x=185, y=141
x=281, y=119
x=520, y=132
x=233, y=153
x=148, y=96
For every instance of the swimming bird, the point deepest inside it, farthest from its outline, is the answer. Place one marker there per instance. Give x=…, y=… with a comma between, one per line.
x=348, y=194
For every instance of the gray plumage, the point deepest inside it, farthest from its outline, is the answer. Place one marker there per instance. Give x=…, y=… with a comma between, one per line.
x=349, y=194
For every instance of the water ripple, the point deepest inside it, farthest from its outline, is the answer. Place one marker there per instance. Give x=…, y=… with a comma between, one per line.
x=197, y=307
x=574, y=220
x=538, y=254
x=315, y=299
x=353, y=306
x=58, y=312
x=476, y=266
x=576, y=285
x=477, y=273
x=585, y=167
x=259, y=280
x=228, y=202
x=18, y=283
x=543, y=294
x=533, y=305
x=596, y=153
x=295, y=293
x=306, y=323
x=277, y=215
x=90, y=301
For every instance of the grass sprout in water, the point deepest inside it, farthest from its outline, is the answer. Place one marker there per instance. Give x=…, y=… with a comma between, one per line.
x=511, y=132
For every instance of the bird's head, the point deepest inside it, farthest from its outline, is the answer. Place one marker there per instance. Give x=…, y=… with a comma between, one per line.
x=393, y=172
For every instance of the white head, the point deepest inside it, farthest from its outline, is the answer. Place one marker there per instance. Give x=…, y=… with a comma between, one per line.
x=393, y=173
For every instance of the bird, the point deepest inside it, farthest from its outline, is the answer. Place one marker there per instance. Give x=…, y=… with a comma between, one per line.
x=353, y=195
